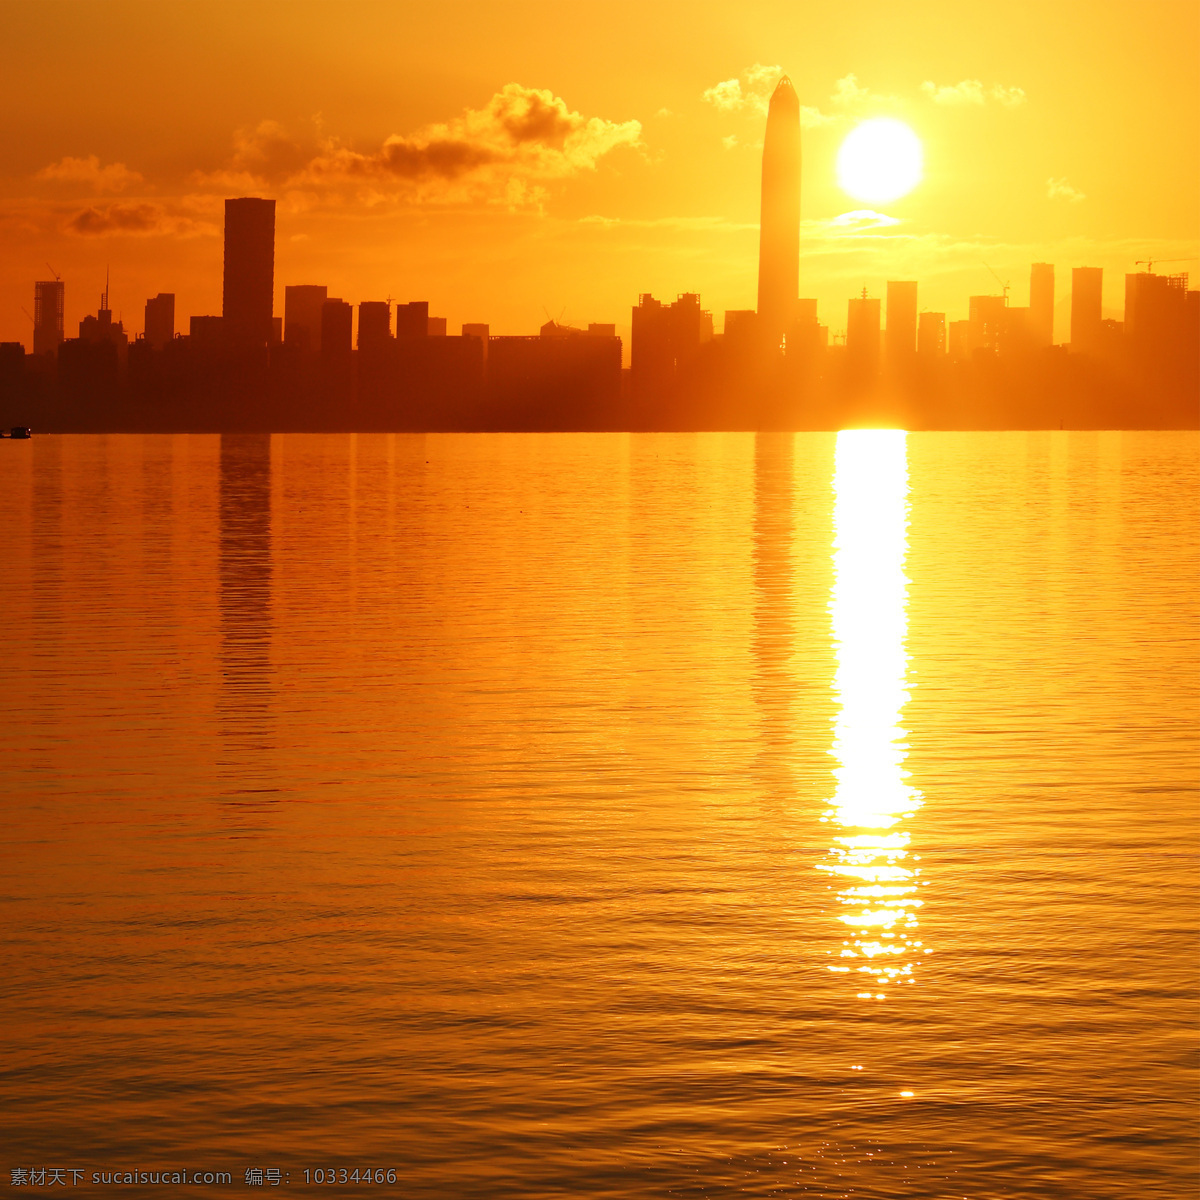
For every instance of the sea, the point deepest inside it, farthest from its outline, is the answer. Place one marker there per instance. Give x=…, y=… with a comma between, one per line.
x=601, y=815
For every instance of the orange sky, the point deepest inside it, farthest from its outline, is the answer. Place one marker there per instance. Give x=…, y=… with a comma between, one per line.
x=509, y=161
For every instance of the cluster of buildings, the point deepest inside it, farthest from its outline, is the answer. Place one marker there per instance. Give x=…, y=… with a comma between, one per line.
x=1161, y=314
x=398, y=368
x=316, y=367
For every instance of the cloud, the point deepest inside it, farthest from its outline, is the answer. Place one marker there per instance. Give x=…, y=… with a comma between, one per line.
x=727, y=96
x=862, y=218
x=730, y=141
x=262, y=157
x=971, y=92
x=267, y=150
x=116, y=177
x=1010, y=97
x=750, y=92
x=812, y=118
x=847, y=91
x=690, y=224
x=137, y=219
x=761, y=79
x=521, y=135
x=968, y=91
x=1060, y=189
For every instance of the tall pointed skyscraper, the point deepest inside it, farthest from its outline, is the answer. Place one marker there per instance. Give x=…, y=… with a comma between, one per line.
x=779, y=231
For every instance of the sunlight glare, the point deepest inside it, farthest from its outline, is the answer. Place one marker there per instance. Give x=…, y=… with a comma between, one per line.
x=868, y=615
x=880, y=160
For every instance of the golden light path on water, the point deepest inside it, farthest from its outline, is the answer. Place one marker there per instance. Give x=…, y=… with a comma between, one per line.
x=870, y=858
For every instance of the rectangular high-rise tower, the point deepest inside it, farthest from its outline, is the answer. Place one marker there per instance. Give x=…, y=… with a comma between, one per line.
x=931, y=335
x=160, y=320
x=1087, y=290
x=862, y=336
x=302, y=315
x=374, y=324
x=247, y=296
x=900, y=338
x=47, y=316
x=1041, y=304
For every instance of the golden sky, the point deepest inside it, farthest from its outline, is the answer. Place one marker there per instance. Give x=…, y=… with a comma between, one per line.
x=509, y=161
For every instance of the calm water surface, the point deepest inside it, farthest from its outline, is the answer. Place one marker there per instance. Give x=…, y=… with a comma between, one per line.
x=602, y=815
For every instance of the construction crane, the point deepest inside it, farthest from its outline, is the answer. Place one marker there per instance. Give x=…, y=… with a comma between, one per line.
x=1148, y=263
x=1004, y=286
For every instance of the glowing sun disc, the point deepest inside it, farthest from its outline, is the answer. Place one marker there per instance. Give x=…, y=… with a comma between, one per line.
x=880, y=160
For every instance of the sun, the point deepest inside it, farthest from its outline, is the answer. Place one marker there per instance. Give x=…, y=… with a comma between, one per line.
x=880, y=160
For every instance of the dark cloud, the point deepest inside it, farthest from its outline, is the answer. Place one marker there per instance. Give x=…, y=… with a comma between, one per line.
x=137, y=219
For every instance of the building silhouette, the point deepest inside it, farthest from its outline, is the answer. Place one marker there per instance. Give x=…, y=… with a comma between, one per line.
x=160, y=320
x=92, y=367
x=779, y=229
x=806, y=338
x=1155, y=306
x=770, y=369
x=249, y=280
x=740, y=324
x=931, y=335
x=374, y=324
x=102, y=329
x=412, y=319
x=985, y=324
x=48, y=295
x=206, y=333
x=480, y=331
x=563, y=379
x=958, y=339
x=337, y=330
x=302, y=315
x=1162, y=328
x=666, y=339
x=862, y=337
x=1041, y=304
x=1087, y=289
x=337, y=350
x=900, y=338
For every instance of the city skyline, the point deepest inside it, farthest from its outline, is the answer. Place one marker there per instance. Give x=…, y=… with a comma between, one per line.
x=642, y=183
x=248, y=310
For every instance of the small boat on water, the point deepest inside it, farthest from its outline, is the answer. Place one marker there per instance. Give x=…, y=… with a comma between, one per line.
x=20, y=431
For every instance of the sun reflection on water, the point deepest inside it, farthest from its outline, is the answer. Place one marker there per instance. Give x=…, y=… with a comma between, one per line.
x=870, y=858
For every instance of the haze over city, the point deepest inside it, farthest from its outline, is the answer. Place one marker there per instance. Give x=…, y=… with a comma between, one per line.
x=600, y=600
x=1050, y=134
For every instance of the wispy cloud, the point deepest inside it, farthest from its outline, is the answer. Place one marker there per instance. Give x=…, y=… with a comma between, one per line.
x=811, y=118
x=972, y=92
x=862, y=218
x=115, y=177
x=1060, y=189
x=968, y=91
x=1010, y=97
x=849, y=93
